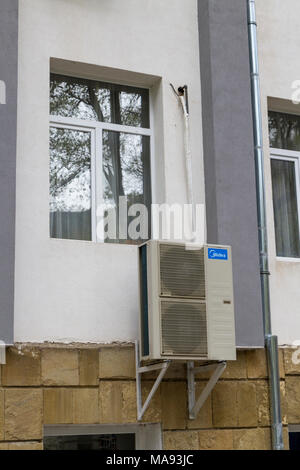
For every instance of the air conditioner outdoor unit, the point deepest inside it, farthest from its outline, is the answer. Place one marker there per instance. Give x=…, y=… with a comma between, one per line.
x=186, y=299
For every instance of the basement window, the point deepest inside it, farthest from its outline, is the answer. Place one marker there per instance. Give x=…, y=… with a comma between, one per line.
x=294, y=437
x=91, y=442
x=100, y=140
x=103, y=437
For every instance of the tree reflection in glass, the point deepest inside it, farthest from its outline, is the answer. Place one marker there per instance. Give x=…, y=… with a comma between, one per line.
x=98, y=101
x=126, y=156
x=70, y=184
x=80, y=99
x=131, y=109
x=126, y=170
x=284, y=131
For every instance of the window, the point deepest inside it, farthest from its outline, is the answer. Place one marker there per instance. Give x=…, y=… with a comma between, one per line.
x=91, y=442
x=294, y=437
x=103, y=437
x=285, y=167
x=100, y=140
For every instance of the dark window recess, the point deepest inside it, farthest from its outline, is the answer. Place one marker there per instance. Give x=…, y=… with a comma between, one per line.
x=98, y=442
x=294, y=440
x=285, y=208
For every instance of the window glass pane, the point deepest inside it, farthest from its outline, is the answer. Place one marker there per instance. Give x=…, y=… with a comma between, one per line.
x=126, y=174
x=70, y=184
x=284, y=131
x=133, y=109
x=80, y=99
x=285, y=208
x=92, y=100
x=100, y=442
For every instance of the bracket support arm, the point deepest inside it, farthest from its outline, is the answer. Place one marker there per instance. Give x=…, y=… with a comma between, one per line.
x=162, y=366
x=195, y=406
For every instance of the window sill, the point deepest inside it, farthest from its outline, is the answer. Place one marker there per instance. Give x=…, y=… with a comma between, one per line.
x=69, y=241
x=287, y=260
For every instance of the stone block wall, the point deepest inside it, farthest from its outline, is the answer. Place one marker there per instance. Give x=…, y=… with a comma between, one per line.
x=86, y=384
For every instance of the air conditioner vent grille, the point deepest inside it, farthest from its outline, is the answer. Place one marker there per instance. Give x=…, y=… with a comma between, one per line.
x=182, y=272
x=184, y=329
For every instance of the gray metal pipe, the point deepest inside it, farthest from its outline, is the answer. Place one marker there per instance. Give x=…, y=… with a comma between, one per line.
x=271, y=341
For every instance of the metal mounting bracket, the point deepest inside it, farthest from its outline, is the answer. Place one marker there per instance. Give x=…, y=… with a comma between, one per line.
x=195, y=406
x=162, y=366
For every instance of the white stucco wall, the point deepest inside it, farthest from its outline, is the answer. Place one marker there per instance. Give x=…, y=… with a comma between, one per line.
x=279, y=46
x=82, y=291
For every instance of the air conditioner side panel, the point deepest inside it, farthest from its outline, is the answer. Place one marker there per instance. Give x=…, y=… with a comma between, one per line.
x=153, y=301
x=143, y=302
x=220, y=306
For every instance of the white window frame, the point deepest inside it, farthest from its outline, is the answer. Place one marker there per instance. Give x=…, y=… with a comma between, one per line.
x=290, y=156
x=147, y=436
x=96, y=128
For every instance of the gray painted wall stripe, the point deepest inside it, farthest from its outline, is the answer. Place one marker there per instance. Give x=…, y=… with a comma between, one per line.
x=229, y=154
x=8, y=137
